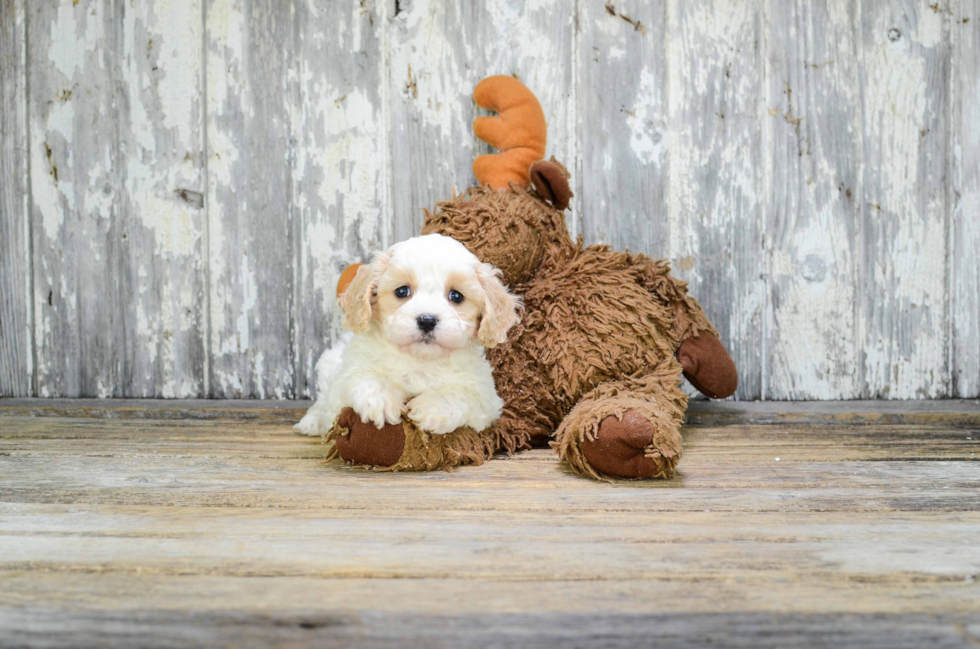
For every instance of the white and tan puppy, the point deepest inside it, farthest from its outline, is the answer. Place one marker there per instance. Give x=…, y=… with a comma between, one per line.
x=419, y=316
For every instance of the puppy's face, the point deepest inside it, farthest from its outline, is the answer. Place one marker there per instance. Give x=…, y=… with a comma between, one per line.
x=430, y=296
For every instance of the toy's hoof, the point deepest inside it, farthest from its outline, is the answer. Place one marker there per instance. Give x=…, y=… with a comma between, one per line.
x=367, y=444
x=620, y=449
x=708, y=366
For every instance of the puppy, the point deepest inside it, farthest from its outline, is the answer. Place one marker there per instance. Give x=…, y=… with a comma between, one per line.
x=419, y=317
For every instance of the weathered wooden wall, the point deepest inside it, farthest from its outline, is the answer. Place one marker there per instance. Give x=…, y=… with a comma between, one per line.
x=183, y=180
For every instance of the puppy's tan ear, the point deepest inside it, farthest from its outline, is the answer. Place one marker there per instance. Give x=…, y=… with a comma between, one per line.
x=500, y=308
x=357, y=298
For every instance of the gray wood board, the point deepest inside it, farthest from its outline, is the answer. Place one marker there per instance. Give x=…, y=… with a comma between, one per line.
x=339, y=203
x=958, y=412
x=16, y=367
x=903, y=323
x=717, y=91
x=622, y=179
x=813, y=202
x=963, y=159
x=116, y=189
x=150, y=629
x=251, y=239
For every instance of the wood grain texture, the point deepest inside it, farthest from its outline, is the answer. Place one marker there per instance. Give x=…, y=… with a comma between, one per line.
x=339, y=167
x=947, y=412
x=376, y=630
x=16, y=345
x=716, y=204
x=437, y=52
x=116, y=182
x=813, y=205
x=251, y=239
x=164, y=533
x=903, y=321
x=623, y=77
x=964, y=165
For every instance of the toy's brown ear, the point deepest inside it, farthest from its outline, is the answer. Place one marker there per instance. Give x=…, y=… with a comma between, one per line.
x=346, y=278
x=551, y=182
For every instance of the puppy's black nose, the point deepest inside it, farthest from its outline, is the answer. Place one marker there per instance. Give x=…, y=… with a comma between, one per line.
x=427, y=322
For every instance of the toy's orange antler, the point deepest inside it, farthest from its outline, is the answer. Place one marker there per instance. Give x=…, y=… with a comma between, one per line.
x=519, y=131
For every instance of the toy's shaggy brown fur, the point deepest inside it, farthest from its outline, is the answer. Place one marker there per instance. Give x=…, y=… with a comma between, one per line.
x=592, y=365
x=599, y=331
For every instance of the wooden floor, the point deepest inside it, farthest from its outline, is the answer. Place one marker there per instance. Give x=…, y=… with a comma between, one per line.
x=211, y=524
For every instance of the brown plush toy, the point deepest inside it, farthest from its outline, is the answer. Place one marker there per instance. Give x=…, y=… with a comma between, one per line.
x=595, y=365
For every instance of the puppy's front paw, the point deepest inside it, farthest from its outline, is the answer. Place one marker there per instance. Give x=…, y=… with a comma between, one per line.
x=435, y=414
x=312, y=423
x=376, y=405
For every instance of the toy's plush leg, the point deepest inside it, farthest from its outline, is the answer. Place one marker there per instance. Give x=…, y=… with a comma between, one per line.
x=405, y=447
x=706, y=362
x=627, y=429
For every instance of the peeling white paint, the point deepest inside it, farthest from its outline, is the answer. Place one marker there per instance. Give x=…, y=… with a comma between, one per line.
x=434, y=97
x=177, y=235
x=642, y=120
x=773, y=253
x=813, y=218
x=715, y=201
x=929, y=27
x=49, y=200
x=177, y=51
x=76, y=35
x=110, y=146
x=904, y=329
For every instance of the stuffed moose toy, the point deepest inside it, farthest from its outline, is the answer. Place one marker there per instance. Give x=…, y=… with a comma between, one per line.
x=595, y=365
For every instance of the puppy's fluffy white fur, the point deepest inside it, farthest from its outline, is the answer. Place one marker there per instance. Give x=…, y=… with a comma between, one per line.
x=393, y=361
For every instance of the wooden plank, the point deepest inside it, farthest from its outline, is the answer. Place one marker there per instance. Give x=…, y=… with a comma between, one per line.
x=623, y=81
x=255, y=409
x=791, y=443
x=116, y=185
x=70, y=256
x=438, y=51
x=339, y=165
x=163, y=290
x=28, y=441
x=16, y=360
x=251, y=241
x=161, y=483
x=734, y=468
x=964, y=160
x=949, y=412
x=813, y=207
x=217, y=595
x=341, y=628
x=518, y=547
x=716, y=183
x=903, y=324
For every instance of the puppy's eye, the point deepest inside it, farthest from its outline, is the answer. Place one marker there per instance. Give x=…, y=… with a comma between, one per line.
x=455, y=296
x=403, y=291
